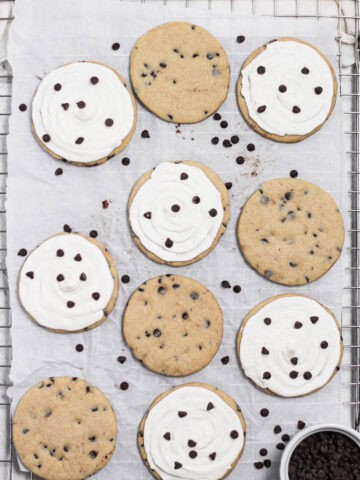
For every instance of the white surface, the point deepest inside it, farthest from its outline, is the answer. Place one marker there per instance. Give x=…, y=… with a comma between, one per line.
x=76, y=196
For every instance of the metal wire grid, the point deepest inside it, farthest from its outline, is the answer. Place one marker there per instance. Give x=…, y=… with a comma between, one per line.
x=349, y=87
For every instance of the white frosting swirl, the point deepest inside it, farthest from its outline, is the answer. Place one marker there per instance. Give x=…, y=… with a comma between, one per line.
x=288, y=88
x=82, y=111
x=177, y=213
x=291, y=346
x=203, y=443
x=66, y=283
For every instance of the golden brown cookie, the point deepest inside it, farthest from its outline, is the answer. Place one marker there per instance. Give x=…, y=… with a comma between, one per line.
x=194, y=430
x=64, y=429
x=68, y=283
x=173, y=325
x=83, y=113
x=286, y=90
x=290, y=345
x=180, y=72
x=178, y=212
x=290, y=231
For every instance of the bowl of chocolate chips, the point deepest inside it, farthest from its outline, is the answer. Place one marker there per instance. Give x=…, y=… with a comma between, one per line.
x=322, y=452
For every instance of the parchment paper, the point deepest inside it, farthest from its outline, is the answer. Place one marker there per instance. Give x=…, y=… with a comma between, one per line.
x=47, y=34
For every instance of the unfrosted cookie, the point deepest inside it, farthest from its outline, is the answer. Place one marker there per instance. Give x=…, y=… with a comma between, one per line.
x=291, y=231
x=290, y=345
x=64, y=429
x=173, y=325
x=178, y=212
x=180, y=72
x=190, y=432
x=287, y=90
x=83, y=113
x=69, y=283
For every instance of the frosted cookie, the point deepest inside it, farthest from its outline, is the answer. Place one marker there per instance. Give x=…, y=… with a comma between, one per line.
x=173, y=325
x=180, y=72
x=178, y=212
x=192, y=431
x=287, y=90
x=69, y=283
x=290, y=345
x=64, y=429
x=291, y=231
x=83, y=113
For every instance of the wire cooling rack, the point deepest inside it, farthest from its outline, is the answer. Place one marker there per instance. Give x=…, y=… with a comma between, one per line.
x=346, y=15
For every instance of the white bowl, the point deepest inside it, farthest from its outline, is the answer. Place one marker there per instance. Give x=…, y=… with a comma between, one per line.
x=322, y=427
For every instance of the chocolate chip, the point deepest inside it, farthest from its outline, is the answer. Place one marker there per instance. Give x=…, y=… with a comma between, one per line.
x=263, y=452
x=177, y=465
x=46, y=138
x=93, y=233
x=293, y=374
x=94, y=80
x=301, y=425
x=147, y=215
x=162, y=290
x=288, y=195
x=22, y=252
x=83, y=277
x=280, y=446
x=125, y=279
x=227, y=143
x=261, y=70
x=314, y=319
x=240, y=160
x=324, y=344
x=267, y=463
x=307, y=375
x=258, y=465
x=93, y=454
x=234, y=434
x=175, y=208
x=225, y=360
x=285, y=438
x=294, y=360
x=267, y=321
x=60, y=253
x=266, y=375
x=282, y=88
x=81, y=104
x=277, y=429
x=109, y=122
x=225, y=284
x=182, y=414
x=196, y=200
x=95, y=295
x=30, y=275
x=92, y=439
x=265, y=351
x=210, y=406
x=59, y=171
x=194, y=295
x=261, y=109
x=157, y=333
x=305, y=71
x=293, y=173
x=145, y=134
x=79, y=347
x=79, y=140
x=70, y=304
x=192, y=454
x=212, y=456
x=318, y=90
x=60, y=277
x=240, y=38
x=264, y=412
x=250, y=147
x=236, y=289
x=167, y=436
x=184, y=176
x=185, y=316
x=169, y=243
x=57, y=87
x=124, y=386
x=125, y=161
x=223, y=124
x=235, y=139
x=296, y=109
x=217, y=116
x=115, y=46
x=298, y=325
x=215, y=140
x=213, y=212
x=22, y=107
x=121, y=359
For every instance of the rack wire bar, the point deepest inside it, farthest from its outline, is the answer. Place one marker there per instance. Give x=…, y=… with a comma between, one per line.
x=8, y=464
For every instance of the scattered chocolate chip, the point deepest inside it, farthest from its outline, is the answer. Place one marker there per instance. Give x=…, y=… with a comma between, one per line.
x=234, y=434
x=266, y=375
x=22, y=252
x=177, y=465
x=213, y=212
x=65, y=106
x=93, y=454
x=261, y=109
x=59, y=171
x=79, y=140
x=305, y=71
x=83, y=277
x=79, y=347
x=265, y=351
x=240, y=38
x=236, y=289
x=215, y=140
x=124, y=386
x=280, y=446
x=267, y=463
x=22, y=107
x=277, y=429
x=264, y=412
x=258, y=465
x=223, y=124
x=235, y=139
x=227, y=143
x=282, y=88
x=225, y=360
x=210, y=406
x=296, y=109
x=125, y=161
x=57, y=87
x=192, y=454
x=212, y=456
x=324, y=344
x=293, y=374
x=157, y=333
x=167, y=436
x=109, y=122
x=307, y=375
x=169, y=243
x=78, y=257
x=250, y=147
x=115, y=46
x=301, y=425
x=95, y=295
x=145, y=134
x=185, y=316
x=217, y=116
x=147, y=215
x=314, y=319
x=81, y=104
x=60, y=253
x=60, y=277
x=318, y=90
x=293, y=173
x=176, y=208
x=93, y=233
x=184, y=176
x=240, y=160
x=194, y=295
x=285, y=438
x=162, y=290
x=70, y=304
x=263, y=452
x=225, y=284
x=298, y=325
x=46, y=138
x=267, y=321
x=261, y=70
x=121, y=359
x=125, y=279
x=294, y=360
x=94, y=80
x=228, y=185
x=182, y=414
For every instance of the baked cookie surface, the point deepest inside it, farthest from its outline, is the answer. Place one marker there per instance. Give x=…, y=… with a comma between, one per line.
x=290, y=231
x=287, y=90
x=290, y=345
x=69, y=283
x=64, y=429
x=173, y=325
x=178, y=212
x=180, y=72
x=192, y=431
x=83, y=113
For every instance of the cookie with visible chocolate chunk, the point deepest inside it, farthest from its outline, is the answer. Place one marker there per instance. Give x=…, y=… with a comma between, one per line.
x=64, y=429
x=173, y=325
x=291, y=231
x=180, y=72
